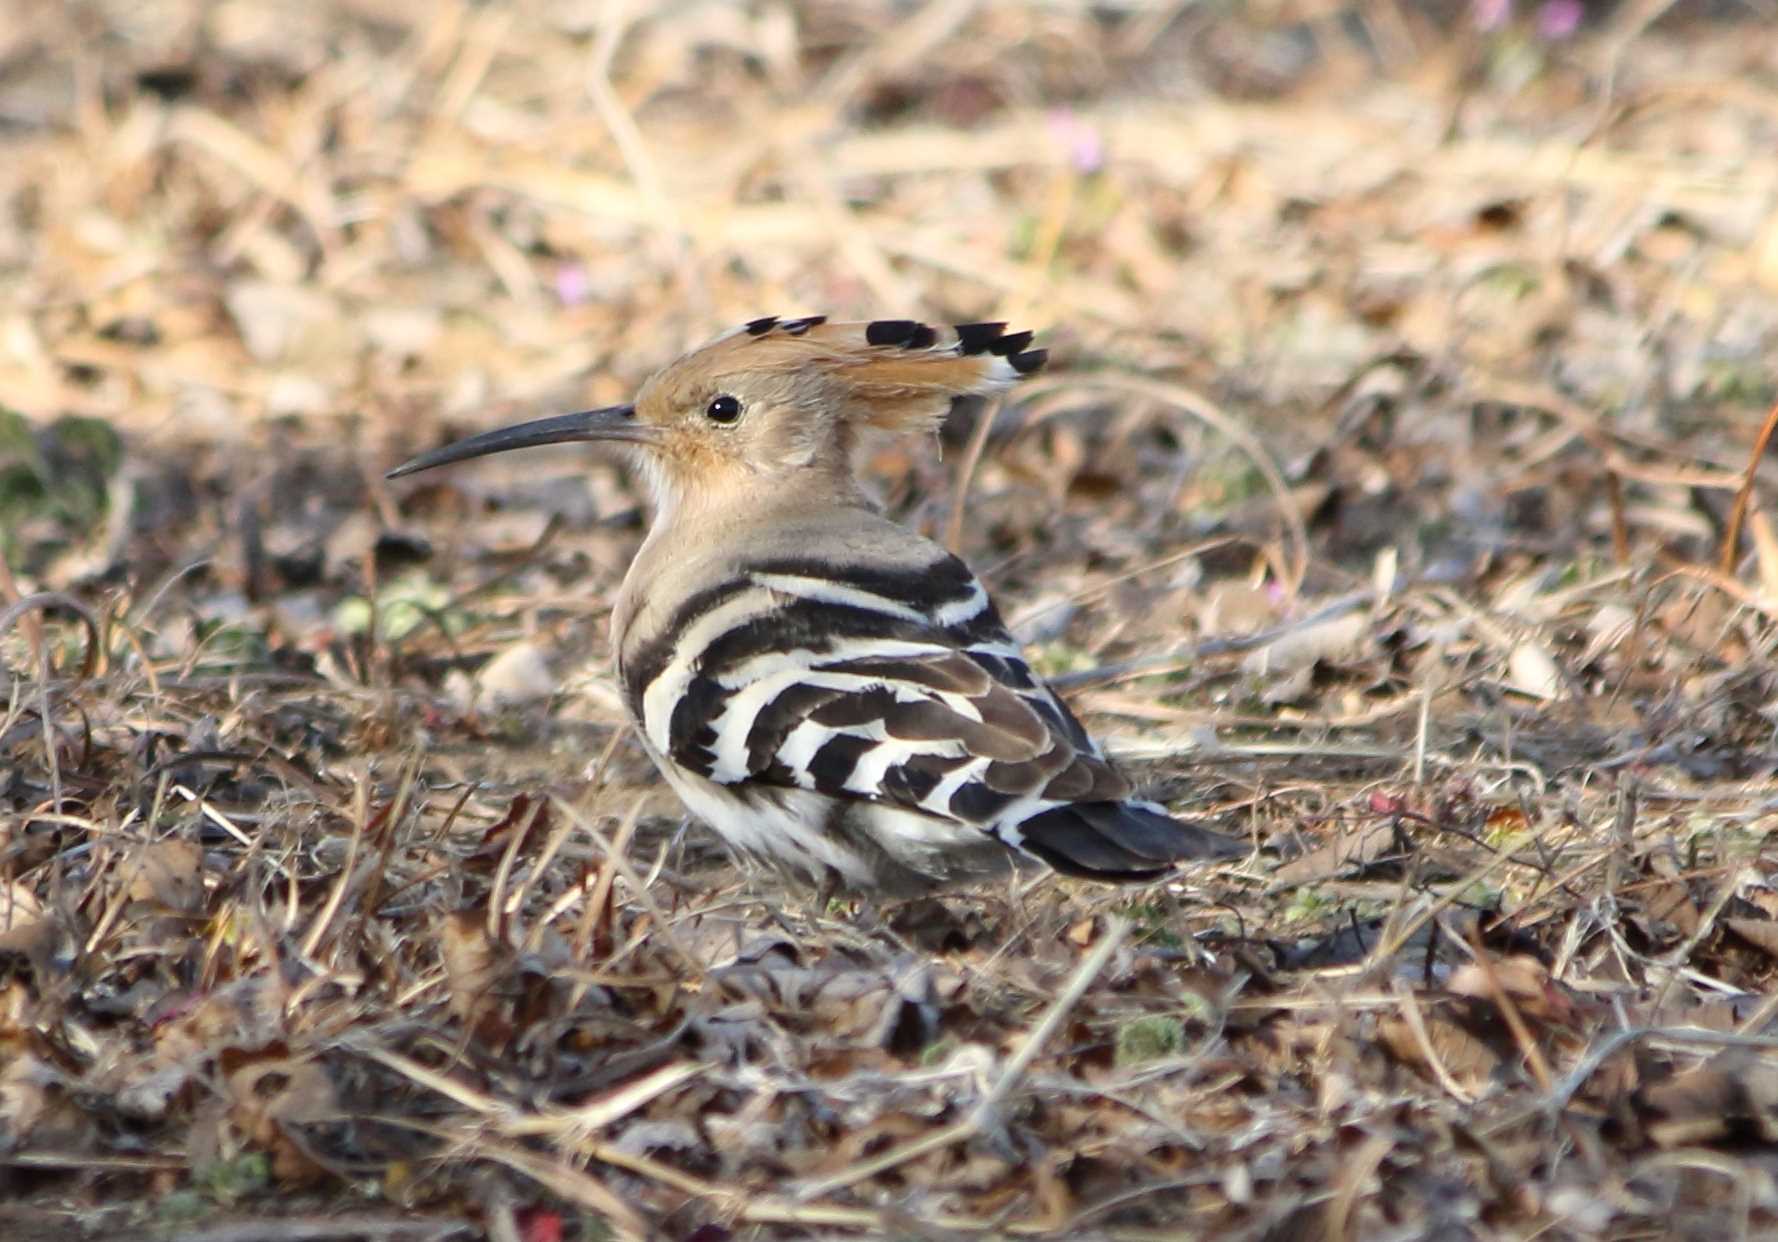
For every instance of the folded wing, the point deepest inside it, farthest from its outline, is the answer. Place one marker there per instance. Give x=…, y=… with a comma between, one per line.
x=896, y=686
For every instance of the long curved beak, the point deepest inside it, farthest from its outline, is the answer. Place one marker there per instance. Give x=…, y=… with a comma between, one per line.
x=614, y=422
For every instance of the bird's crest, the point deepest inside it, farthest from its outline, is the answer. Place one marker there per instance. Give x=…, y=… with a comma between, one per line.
x=891, y=374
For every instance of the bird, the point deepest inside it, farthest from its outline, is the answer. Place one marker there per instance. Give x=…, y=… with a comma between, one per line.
x=828, y=690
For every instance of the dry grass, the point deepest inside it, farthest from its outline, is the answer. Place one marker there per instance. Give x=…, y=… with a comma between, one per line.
x=1382, y=510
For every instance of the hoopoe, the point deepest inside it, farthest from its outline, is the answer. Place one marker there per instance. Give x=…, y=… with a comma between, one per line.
x=826, y=689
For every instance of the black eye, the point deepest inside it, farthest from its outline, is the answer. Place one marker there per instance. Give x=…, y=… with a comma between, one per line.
x=723, y=409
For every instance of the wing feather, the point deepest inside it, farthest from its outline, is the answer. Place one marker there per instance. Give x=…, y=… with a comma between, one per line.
x=893, y=686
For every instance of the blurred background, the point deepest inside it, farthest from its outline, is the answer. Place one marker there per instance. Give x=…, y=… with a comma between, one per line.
x=256, y=252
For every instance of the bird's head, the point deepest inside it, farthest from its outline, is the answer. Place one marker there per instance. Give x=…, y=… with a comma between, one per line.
x=778, y=400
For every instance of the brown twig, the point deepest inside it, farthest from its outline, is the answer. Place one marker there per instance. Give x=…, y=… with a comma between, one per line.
x=1731, y=535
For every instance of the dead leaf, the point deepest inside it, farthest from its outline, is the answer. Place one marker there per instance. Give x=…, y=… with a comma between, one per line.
x=1525, y=980
x=271, y=1093
x=1734, y=1094
x=1237, y=607
x=167, y=874
x=29, y=1086
x=1467, y=1059
x=1760, y=933
x=519, y=674
x=1332, y=639
x=473, y=967
x=1608, y=628
x=25, y=927
x=1343, y=851
x=1532, y=670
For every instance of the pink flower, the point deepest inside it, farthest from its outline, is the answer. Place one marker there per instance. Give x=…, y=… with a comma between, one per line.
x=1558, y=19
x=572, y=286
x=1492, y=14
x=1086, y=149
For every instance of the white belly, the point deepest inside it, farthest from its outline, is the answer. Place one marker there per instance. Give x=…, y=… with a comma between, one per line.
x=872, y=846
x=787, y=825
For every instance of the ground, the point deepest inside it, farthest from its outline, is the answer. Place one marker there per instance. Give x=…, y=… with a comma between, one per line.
x=1395, y=502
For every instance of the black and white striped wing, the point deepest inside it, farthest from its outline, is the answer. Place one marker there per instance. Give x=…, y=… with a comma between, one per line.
x=899, y=687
